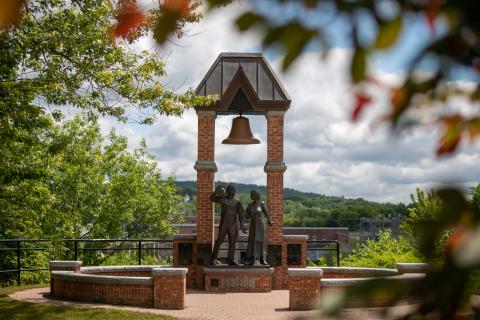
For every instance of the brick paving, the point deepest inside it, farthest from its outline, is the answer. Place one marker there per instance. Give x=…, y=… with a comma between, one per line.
x=200, y=305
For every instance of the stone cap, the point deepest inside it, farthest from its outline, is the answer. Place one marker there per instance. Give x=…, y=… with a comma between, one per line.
x=169, y=271
x=64, y=264
x=295, y=237
x=343, y=282
x=412, y=267
x=144, y=268
x=275, y=166
x=366, y=271
x=93, y=278
x=185, y=236
x=238, y=270
x=205, y=165
x=303, y=272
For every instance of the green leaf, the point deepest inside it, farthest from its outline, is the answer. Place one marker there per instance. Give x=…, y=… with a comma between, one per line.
x=359, y=65
x=388, y=33
x=247, y=20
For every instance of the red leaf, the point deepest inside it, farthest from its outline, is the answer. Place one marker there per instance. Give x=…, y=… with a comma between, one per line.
x=361, y=100
x=181, y=6
x=451, y=136
x=431, y=13
x=130, y=18
x=10, y=12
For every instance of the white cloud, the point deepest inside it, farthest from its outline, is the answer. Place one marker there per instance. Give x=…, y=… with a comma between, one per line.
x=324, y=151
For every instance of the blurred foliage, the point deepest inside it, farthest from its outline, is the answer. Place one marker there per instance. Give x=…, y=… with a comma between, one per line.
x=385, y=252
x=454, y=45
x=446, y=234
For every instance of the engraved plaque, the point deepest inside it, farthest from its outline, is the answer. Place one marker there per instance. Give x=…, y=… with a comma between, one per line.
x=294, y=254
x=185, y=254
x=236, y=283
x=274, y=255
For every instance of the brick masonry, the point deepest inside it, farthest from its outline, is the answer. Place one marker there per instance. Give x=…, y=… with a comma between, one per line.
x=302, y=242
x=275, y=187
x=205, y=177
x=163, y=288
x=135, y=295
x=169, y=292
x=193, y=269
x=303, y=288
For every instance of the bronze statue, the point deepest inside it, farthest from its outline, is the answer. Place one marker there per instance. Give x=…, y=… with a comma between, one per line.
x=257, y=242
x=232, y=213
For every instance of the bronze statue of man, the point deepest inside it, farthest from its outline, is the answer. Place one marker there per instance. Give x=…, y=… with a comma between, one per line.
x=231, y=216
x=257, y=240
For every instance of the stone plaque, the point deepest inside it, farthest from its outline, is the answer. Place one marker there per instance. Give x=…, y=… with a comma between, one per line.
x=185, y=254
x=237, y=282
x=294, y=254
x=274, y=255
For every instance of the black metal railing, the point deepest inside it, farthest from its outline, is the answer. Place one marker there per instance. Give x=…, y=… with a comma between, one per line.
x=17, y=246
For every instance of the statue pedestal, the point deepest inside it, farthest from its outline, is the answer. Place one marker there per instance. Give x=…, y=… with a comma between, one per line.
x=238, y=279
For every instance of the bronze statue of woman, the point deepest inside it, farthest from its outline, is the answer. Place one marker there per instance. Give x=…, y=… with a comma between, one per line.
x=257, y=236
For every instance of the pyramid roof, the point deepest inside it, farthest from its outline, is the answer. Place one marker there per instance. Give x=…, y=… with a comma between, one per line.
x=243, y=83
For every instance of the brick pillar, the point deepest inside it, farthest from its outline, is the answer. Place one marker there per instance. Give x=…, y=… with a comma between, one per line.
x=206, y=169
x=304, y=287
x=169, y=288
x=62, y=265
x=275, y=167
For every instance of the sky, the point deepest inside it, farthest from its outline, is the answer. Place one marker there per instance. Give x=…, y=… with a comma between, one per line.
x=325, y=152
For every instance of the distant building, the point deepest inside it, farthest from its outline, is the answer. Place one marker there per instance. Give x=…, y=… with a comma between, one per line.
x=314, y=233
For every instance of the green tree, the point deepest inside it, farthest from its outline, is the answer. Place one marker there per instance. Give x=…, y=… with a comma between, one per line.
x=385, y=252
x=106, y=191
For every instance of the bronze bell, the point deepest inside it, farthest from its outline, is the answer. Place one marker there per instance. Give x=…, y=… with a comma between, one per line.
x=240, y=132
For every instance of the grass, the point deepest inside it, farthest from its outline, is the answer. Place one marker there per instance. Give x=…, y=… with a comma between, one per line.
x=18, y=310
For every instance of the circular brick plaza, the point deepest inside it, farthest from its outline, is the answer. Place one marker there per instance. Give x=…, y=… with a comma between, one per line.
x=203, y=305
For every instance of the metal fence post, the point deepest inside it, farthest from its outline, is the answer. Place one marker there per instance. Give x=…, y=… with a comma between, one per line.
x=139, y=252
x=18, y=263
x=75, y=249
x=338, y=254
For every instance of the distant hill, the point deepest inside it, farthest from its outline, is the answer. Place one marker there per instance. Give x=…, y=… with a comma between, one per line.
x=189, y=187
x=306, y=209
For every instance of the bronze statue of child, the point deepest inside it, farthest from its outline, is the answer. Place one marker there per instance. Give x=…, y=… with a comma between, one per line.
x=257, y=237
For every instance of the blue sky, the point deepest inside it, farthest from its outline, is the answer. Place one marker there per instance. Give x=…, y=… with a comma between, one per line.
x=324, y=151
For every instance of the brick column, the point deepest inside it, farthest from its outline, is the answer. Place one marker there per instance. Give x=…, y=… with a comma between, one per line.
x=169, y=288
x=206, y=169
x=304, y=287
x=62, y=265
x=275, y=167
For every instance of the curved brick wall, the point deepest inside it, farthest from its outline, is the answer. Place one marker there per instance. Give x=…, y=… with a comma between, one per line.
x=308, y=285
x=146, y=286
